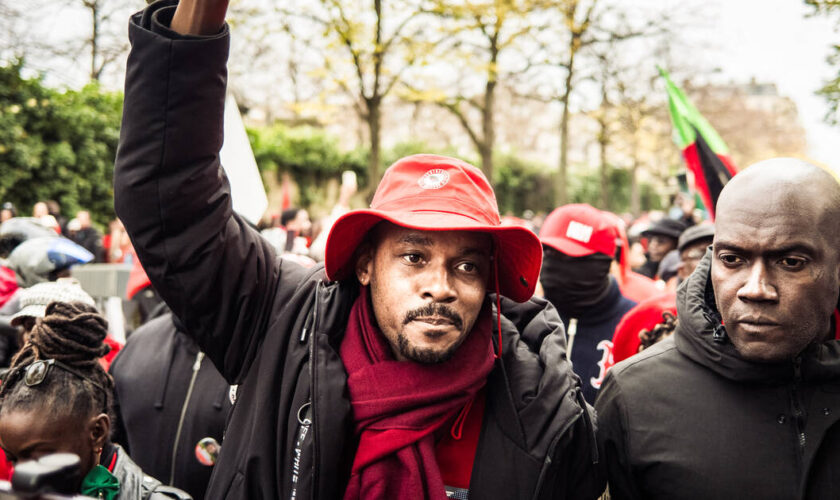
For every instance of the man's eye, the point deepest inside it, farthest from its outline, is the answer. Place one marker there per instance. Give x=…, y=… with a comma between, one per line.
x=729, y=259
x=468, y=267
x=412, y=258
x=792, y=263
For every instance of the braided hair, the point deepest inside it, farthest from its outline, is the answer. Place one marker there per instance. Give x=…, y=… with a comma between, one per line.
x=661, y=330
x=73, y=334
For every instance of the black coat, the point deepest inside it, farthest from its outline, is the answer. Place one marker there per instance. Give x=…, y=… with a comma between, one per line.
x=274, y=328
x=689, y=418
x=168, y=398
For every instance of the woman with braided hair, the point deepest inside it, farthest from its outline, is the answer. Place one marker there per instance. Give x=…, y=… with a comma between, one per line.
x=659, y=332
x=57, y=398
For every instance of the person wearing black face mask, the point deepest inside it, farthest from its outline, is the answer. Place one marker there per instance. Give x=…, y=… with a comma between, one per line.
x=578, y=245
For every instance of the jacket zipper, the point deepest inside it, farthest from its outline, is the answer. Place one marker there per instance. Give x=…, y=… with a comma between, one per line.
x=548, y=460
x=314, y=383
x=798, y=413
x=196, y=367
x=572, y=331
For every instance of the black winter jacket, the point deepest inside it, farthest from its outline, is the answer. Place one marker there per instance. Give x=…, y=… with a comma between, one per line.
x=688, y=418
x=168, y=398
x=275, y=328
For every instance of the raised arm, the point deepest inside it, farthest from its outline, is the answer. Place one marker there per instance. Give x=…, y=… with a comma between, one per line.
x=216, y=273
x=199, y=17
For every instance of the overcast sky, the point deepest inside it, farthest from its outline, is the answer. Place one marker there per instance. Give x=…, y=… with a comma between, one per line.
x=774, y=41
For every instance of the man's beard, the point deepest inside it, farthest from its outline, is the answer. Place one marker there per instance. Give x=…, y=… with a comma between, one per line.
x=430, y=356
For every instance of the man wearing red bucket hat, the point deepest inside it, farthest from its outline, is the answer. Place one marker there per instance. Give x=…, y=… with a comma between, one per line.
x=414, y=364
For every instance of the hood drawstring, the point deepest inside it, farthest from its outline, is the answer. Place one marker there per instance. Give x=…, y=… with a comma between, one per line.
x=719, y=329
x=719, y=334
x=458, y=425
x=498, y=298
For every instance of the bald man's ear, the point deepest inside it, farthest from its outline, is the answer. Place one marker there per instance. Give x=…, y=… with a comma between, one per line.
x=364, y=263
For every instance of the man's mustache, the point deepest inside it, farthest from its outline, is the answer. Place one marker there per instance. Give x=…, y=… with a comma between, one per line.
x=435, y=309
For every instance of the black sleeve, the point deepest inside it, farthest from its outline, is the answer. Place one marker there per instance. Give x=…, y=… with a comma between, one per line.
x=612, y=441
x=577, y=471
x=215, y=273
x=118, y=432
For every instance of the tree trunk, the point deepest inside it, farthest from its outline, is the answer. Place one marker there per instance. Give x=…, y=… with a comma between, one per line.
x=486, y=153
x=635, y=198
x=374, y=119
x=562, y=193
x=374, y=110
x=603, y=142
x=487, y=125
x=94, y=40
x=486, y=148
x=562, y=189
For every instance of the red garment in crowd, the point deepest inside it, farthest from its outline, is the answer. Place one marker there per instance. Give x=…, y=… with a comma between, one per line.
x=6, y=467
x=106, y=245
x=837, y=324
x=644, y=316
x=124, y=250
x=115, y=346
x=399, y=406
x=137, y=279
x=637, y=287
x=632, y=285
x=8, y=284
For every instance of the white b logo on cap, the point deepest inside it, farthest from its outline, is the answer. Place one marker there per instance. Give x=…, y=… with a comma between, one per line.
x=579, y=232
x=434, y=179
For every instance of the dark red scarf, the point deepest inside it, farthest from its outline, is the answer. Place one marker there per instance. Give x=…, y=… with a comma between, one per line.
x=398, y=406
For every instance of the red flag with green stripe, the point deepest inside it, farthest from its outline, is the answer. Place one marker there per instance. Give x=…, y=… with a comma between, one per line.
x=706, y=155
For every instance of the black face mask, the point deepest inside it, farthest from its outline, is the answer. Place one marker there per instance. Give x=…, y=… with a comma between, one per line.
x=574, y=284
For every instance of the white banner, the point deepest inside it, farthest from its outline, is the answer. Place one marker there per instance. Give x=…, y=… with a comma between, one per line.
x=246, y=185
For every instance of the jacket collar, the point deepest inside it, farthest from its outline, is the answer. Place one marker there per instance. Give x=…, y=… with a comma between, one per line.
x=540, y=385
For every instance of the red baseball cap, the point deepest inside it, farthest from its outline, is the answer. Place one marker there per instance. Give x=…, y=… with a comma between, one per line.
x=644, y=316
x=437, y=193
x=578, y=230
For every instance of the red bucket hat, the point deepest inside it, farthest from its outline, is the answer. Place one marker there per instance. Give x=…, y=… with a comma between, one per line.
x=578, y=230
x=437, y=193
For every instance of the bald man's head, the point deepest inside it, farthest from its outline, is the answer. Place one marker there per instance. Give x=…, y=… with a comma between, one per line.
x=776, y=260
x=786, y=182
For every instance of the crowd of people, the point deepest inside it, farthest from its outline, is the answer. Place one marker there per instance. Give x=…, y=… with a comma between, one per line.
x=424, y=347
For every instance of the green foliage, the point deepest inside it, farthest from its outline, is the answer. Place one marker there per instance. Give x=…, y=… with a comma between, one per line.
x=521, y=185
x=585, y=186
x=831, y=90
x=57, y=145
x=408, y=148
x=308, y=155
x=312, y=158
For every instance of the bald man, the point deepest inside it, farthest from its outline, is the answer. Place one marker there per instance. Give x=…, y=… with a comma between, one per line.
x=744, y=399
